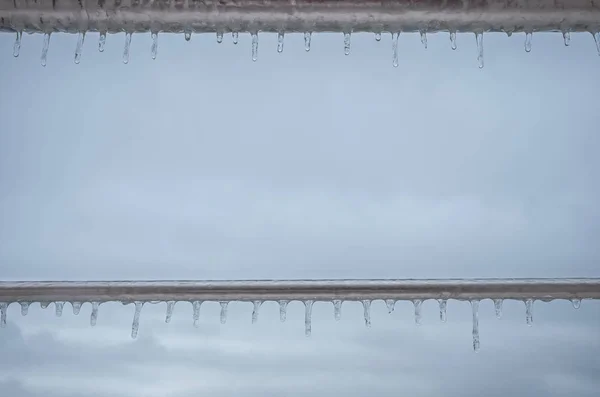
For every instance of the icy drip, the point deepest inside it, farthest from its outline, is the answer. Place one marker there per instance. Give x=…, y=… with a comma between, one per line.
x=597, y=40
x=424, y=38
x=280, y=42
x=94, y=316
x=528, y=37
x=417, y=304
x=283, y=310
x=498, y=307
x=219, y=37
x=307, y=37
x=135, y=326
x=453, y=40
x=337, y=309
x=347, y=43
x=529, y=311
x=187, y=35
x=24, y=308
x=101, y=41
x=235, y=37
x=479, y=40
x=45, y=49
x=567, y=38
x=17, y=45
x=255, y=310
x=170, y=307
x=475, y=309
x=44, y=305
x=254, y=46
x=79, y=47
x=395, y=49
x=59, y=308
x=154, y=47
x=307, y=317
x=576, y=303
x=196, y=315
x=367, y=312
x=126, y=49
x=3, y=308
x=390, y=304
x=443, y=303
x=76, y=307
x=378, y=36
x=223, y=315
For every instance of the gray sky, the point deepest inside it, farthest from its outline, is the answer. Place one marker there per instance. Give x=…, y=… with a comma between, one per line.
x=205, y=165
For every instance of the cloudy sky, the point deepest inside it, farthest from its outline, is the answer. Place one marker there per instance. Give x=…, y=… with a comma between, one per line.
x=205, y=165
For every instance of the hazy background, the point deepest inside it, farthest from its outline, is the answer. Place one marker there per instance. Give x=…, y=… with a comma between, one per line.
x=205, y=165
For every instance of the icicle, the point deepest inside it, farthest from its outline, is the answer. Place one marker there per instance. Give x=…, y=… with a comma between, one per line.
x=3, y=308
x=337, y=309
x=443, y=304
x=135, y=325
x=254, y=46
x=79, y=47
x=390, y=303
x=528, y=37
x=566, y=38
x=24, y=308
x=187, y=35
x=417, y=303
x=576, y=303
x=17, y=45
x=102, y=41
x=378, y=36
x=280, y=42
x=597, y=40
x=453, y=40
x=283, y=310
x=475, y=309
x=45, y=48
x=196, y=315
x=219, y=37
x=126, y=49
x=59, y=308
x=479, y=40
x=224, y=312
x=307, y=317
x=170, y=307
x=395, y=49
x=307, y=37
x=44, y=305
x=424, y=38
x=76, y=307
x=347, y=43
x=154, y=48
x=94, y=316
x=529, y=311
x=498, y=307
x=235, y=37
x=367, y=312
x=257, y=305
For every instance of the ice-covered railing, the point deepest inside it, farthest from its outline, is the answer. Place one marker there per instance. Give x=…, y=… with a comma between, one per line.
x=307, y=291
x=302, y=16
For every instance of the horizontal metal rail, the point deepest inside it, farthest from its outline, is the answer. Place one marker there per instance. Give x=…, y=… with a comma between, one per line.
x=302, y=290
x=346, y=16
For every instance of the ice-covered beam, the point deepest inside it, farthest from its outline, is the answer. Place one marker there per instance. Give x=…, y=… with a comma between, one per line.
x=299, y=15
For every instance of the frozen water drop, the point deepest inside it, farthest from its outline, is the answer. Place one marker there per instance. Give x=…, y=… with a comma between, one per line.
x=126, y=48
x=453, y=40
x=498, y=308
x=308, y=317
x=337, y=309
x=255, y=310
x=395, y=49
x=94, y=316
x=24, y=308
x=418, y=303
x=76, y=307
x=424, y=38
x=528, y=37
x=170, y=307
x=347, y=43
x=367, y=312
x=443, y=304
x=280, y=42
x=196, y=315
x=135, y=325
x=479, y=40
x=235, y=37
x=224, y=312
x=102, y=41
x=597, y=40
x=44, y=305
x=567, y=38
x=529, y=311
x=187, y=35
x=576, y=303
x=390, y=304
x=154, y=47
x=219, y=37
x=283, y=310
x=254, y=46
x=45, y=49
x=378, y=36
x=475, y=309
x=17, y=45
x=307, y=38
x=3, y=308
x=509, y=33
x=79, y=47
x=58, y=306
